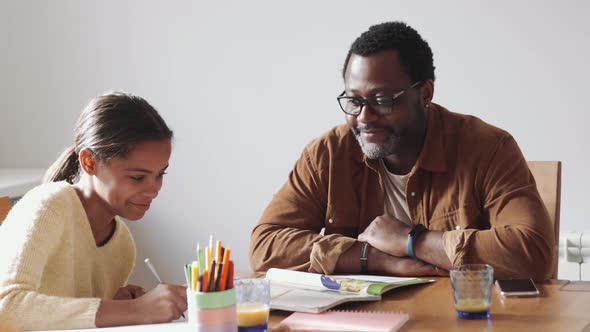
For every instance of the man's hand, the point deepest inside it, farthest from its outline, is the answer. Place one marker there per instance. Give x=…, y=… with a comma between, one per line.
x=379, y=262
x=407, y=267
x=383, y=263
x=129, y=292
x=388, y=235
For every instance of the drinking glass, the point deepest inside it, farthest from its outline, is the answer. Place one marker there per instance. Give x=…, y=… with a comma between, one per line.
x=253, y=303
x=472, y=290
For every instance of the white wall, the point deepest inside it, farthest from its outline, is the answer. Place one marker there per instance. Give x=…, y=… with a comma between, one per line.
x=246, y=84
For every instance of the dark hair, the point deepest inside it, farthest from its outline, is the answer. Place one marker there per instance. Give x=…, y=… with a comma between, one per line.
x=109, y=126
x=414, y=53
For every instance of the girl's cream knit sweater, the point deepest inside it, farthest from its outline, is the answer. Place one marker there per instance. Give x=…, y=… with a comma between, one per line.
x=52, y=274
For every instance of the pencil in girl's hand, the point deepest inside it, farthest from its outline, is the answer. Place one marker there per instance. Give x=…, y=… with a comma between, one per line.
x=153, y=269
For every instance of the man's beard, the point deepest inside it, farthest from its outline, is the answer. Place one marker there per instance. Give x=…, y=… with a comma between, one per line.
x=374, y=150
x=395, y=141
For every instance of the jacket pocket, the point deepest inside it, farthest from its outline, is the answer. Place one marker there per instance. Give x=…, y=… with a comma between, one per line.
x=466, y=217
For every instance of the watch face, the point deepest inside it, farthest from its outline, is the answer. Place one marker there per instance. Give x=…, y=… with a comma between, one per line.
x=417, y=229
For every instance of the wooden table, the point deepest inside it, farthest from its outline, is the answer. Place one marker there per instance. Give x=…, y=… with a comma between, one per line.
x=431, y=309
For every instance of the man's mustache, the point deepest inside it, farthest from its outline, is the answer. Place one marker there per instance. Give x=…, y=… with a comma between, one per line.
x=359, y=129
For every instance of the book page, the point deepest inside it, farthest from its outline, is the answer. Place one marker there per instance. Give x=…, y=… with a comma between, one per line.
x=373, y=278
x=374, y=285
x=310, y=299
x=295, y=278
x=308, y=280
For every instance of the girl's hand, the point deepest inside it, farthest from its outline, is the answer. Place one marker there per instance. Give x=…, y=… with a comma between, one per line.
x=129, y=292
x=162, y=304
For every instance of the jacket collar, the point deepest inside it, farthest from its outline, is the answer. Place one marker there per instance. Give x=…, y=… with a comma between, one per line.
x=433, y=154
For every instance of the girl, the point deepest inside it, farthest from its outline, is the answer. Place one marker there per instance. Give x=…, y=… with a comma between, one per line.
x=66, y=254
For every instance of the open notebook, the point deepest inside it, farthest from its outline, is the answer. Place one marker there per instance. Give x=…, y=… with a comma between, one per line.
x=336, y=320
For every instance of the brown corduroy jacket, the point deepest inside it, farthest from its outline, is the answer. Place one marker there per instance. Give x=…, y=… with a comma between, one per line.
x=471, y=181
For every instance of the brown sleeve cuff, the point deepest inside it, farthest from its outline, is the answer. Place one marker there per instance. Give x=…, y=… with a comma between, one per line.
x=455, y=244
x=325, y=253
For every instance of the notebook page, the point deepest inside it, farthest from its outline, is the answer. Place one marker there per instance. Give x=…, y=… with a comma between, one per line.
x=337, y=320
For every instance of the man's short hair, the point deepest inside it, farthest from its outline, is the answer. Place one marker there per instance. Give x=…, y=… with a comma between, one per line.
x=414, y=53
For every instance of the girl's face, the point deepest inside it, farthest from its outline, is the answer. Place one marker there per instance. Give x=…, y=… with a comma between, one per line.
x=128, y=185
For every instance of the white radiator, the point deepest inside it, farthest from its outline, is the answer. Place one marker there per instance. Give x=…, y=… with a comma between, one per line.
x=574, y=255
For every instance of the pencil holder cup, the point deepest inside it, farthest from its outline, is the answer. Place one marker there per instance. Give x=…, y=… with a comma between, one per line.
x=212, y=311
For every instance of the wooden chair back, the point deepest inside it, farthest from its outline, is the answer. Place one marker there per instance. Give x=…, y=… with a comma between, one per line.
x=4, y=207
x=547, y=175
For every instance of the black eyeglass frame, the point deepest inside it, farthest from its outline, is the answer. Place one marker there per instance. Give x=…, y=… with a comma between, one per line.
x=373, y=101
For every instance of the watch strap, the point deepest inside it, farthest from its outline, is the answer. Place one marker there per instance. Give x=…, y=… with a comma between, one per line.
x=364, y=255
x=412, y=237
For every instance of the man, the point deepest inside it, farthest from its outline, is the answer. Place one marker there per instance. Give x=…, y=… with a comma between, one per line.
x=406, y=187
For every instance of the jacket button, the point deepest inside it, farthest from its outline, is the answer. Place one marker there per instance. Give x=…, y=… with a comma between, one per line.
x=330, y=221
x=457, y=227
x=412, y=194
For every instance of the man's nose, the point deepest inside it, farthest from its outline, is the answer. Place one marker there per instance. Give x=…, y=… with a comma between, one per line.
x=367, y=114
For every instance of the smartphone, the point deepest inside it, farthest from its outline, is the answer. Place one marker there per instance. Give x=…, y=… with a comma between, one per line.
x=517, y=287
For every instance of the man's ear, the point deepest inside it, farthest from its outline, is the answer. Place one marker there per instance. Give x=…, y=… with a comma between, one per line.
x=87, y=161
x=427, y=92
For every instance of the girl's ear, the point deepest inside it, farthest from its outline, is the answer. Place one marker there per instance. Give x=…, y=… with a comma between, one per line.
x=87, y=161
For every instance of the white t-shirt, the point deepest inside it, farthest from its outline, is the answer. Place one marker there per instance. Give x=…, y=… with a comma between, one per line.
x=396, y=203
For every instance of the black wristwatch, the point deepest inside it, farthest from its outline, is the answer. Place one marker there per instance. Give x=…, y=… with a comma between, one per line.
x=364, y=254
x=412, y=237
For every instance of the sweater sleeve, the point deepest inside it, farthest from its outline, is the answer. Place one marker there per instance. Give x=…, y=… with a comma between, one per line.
x=29, y=239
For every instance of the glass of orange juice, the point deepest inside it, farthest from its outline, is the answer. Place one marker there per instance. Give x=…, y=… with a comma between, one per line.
x=472, y=290
x=253, y=303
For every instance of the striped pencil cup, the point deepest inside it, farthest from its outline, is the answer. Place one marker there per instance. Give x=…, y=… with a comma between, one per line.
x=212, y=311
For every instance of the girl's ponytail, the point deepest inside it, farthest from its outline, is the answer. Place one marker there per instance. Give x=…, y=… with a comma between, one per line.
x=65, y=168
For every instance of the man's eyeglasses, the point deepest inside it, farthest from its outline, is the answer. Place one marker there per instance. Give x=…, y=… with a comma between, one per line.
x=381, y=105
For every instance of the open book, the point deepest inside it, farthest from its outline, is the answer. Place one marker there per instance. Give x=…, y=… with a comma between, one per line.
x=312, y=292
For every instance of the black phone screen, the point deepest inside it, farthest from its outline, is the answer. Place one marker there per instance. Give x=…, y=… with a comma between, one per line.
x=517, y=285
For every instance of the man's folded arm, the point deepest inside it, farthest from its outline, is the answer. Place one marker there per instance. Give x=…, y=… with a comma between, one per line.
x=288, y=233
x=521, y=238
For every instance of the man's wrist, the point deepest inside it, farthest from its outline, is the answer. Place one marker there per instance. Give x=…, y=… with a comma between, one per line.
x=413, y=236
